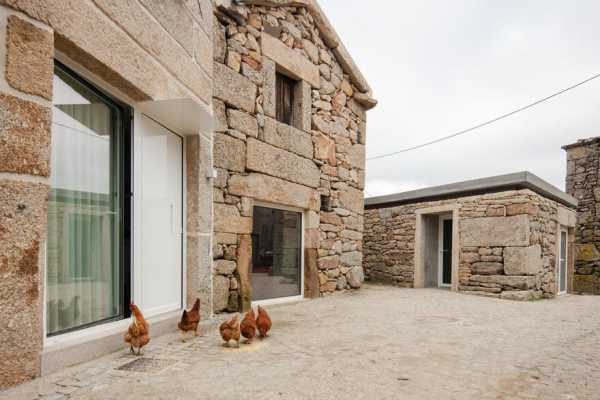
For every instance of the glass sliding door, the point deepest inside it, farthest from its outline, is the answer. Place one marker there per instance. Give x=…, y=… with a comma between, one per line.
x=86, y=267
x=276, y=254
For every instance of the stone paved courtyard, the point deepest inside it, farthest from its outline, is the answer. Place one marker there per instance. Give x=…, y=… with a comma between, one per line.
x=377, y=343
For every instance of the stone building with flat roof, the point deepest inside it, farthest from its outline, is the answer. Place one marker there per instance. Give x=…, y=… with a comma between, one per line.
x=508, y=236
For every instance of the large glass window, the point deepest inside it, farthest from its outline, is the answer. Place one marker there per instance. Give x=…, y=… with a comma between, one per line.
x=86, y=267
x=276, y=253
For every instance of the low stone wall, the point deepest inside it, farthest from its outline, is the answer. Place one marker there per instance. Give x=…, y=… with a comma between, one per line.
x=583, y=183
x=507, y=241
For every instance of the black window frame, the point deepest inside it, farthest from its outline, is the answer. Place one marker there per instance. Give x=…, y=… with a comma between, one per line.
x=123, y=121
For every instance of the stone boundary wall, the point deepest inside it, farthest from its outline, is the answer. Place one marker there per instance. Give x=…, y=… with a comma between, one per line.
x=316, y=165
x=508, y=244
x=583, y=183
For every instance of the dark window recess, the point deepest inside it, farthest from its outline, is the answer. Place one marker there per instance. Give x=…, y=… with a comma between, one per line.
x=326, y=203
x=285, y=99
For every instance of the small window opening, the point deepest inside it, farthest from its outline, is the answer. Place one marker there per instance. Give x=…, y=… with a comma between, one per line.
x=285, y=99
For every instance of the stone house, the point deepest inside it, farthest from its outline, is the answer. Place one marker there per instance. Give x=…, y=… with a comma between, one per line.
x=157, y=152
x=583, y=183
x=508, y=236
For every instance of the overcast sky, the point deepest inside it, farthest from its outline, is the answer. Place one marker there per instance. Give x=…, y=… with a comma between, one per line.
x=438, y=67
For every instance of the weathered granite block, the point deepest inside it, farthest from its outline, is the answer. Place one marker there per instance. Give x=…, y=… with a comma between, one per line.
x=492, y=231
x=29, y=57
x=523, y=260
x=24, y=137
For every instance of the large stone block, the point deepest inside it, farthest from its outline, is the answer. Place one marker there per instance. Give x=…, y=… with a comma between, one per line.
x=229, y=152
x=227, y=219
x=519, y=282
x=224, y=267
x=244, y=263
x=311, y=274
x=274, y=190
x=269, y=72
x=29, y=57
x=350, y=259
x=288, y=138
x=521, y=208
x=22, y=232
x=487, y=268
x=523, y=260
x=169, y=37
x=587, y=252
x=233, y=88
x=175, y=19
x=355, y=277
x=325, y=149
x=495, y=231
x=220, y=293
x=587, y=284
x=242, y=122
x=356, y=157
x=290, y=61
x=24, y=137
x=270, y=160
x=123, y=64
x=352, y=199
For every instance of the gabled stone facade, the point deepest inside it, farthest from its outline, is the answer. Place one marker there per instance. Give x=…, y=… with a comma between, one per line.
x=316, y=164
x=583, y=183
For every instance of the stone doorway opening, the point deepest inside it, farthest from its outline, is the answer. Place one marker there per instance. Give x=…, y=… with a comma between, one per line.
x=437, y=248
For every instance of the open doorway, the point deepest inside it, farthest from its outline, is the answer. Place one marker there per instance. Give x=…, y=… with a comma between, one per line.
x=437, y=248
x=445, y=251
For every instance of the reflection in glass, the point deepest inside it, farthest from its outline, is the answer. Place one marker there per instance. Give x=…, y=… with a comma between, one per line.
x=82, y=256
x=276, y=253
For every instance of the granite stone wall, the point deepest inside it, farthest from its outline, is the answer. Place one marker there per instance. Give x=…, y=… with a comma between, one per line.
x=583, y=183
x=507, y=242
x=315, y=164
x=145, y=50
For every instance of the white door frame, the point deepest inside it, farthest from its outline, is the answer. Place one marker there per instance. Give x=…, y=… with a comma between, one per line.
x=443, y=218
x=137, y=226
x=561, y=257
x=287, y=299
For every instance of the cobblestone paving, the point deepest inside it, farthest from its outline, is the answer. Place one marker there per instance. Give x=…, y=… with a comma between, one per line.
x=378, y=343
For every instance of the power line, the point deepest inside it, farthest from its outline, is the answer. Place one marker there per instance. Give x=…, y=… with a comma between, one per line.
x=489, y=122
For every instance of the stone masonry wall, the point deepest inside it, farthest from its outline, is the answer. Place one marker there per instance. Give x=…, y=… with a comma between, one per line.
x=316, y=165
x=142, y=50
x=507, y=244
x=583, y=183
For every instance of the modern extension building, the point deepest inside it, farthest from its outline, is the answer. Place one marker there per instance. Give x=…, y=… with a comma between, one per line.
x=161, y=151
x=509, y=236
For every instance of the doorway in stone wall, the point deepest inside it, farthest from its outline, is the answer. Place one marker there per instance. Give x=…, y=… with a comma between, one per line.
x=445, y=251
x=277, y=255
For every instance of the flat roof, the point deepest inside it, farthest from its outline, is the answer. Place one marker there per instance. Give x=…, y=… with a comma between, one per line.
x=515, y=181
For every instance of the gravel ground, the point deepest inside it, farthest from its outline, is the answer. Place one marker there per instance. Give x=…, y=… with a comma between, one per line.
x=376, y=343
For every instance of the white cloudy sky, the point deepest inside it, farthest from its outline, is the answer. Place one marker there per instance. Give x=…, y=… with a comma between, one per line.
x=438, y=67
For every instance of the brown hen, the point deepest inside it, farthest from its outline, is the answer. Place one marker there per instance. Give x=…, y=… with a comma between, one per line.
x=190, y=320
x=248, y=326
x=263, y=322
x=230, y=330
x=138, y=334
